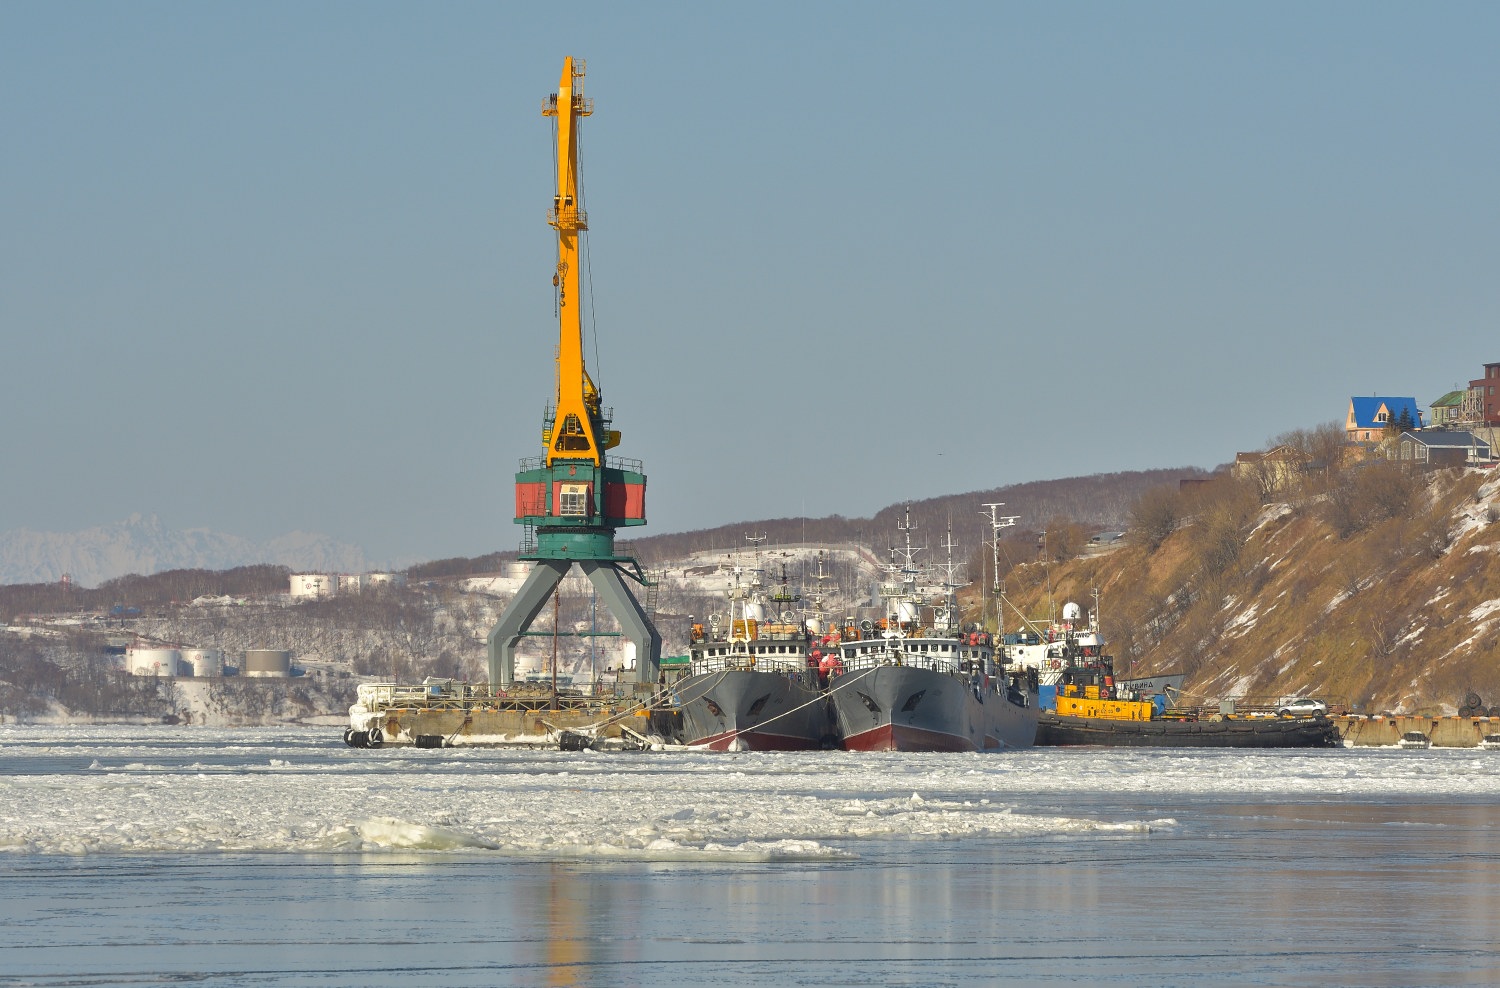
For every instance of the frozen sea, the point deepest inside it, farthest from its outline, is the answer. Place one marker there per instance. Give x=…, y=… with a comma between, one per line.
x=140, y=856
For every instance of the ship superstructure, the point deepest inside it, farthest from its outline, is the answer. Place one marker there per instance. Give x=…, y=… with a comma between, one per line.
x=754, y=678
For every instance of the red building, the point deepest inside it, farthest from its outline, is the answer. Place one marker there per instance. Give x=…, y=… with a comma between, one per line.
x=1481, y=403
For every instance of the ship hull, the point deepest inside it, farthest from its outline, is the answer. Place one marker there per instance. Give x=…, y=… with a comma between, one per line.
x=756, y=711
x=901, y=708
x=1060, y=730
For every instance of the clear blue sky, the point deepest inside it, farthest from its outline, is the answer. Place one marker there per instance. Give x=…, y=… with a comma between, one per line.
x=280, y=266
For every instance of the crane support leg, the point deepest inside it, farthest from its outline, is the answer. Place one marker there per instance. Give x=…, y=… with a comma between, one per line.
x=523, y=609
x=606, y=578
x=533, y=596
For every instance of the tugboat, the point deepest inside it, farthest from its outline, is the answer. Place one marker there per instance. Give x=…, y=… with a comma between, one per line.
x=753, y=684
x=1082, y=702
x=903, y=687
x=1091, y=709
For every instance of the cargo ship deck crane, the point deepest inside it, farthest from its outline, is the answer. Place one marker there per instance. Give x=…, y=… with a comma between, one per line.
x=572, y=498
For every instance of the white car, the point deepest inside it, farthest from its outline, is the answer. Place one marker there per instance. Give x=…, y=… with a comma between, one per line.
x=1302, y=707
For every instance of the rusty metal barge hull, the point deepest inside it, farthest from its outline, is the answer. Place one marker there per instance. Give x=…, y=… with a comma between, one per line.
x=1055, y=730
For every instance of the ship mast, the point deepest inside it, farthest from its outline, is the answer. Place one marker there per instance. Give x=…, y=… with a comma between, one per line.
x=997, y=522
x=900, y=589
x=949, y=618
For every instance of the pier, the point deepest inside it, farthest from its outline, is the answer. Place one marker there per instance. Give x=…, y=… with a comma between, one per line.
x=1443, y=732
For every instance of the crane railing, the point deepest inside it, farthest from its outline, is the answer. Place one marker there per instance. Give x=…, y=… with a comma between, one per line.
x=568, y=218
x=628, y=464
x=583, y=106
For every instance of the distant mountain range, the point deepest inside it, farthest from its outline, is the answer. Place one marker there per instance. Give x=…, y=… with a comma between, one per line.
x=142, y=544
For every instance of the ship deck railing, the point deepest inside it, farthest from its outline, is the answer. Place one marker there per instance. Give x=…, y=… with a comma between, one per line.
x=742, y=662
x=914, y=660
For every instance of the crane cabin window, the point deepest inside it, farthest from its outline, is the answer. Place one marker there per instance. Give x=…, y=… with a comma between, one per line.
x=573, y=501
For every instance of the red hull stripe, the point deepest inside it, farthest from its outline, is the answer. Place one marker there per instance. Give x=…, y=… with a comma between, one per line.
x=890, y=737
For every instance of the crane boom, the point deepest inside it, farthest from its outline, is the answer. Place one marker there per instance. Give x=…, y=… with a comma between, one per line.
x=576, y=429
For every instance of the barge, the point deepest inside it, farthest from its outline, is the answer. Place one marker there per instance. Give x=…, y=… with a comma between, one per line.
x=1218, y=731
x=444, y=713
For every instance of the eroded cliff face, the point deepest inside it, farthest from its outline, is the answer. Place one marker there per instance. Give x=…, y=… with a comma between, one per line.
x=1378, y=590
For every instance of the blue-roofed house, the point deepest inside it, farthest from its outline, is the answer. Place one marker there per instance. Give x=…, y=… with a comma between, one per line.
x=1369, y=417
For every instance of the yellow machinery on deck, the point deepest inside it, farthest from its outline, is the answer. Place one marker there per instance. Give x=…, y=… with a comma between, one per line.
x=1084, y=701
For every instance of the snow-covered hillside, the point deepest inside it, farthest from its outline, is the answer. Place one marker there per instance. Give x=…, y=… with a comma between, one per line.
x=432, y=628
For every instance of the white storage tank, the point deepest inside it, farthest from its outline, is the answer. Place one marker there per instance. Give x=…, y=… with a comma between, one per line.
x=267, y=662
x=350, y=583
x=152, y=661
x=203, y=661
x=385, y=579
x=314, y=584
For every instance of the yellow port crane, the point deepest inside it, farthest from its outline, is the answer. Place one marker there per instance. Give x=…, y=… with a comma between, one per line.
x=575, y=427
x=572, y=499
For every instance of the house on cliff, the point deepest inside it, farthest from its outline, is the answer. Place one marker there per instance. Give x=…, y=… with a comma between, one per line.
x=1448, y=409
x=1442, y=448
x=1368, y=418
x=1272, y=471
x=1481, y=406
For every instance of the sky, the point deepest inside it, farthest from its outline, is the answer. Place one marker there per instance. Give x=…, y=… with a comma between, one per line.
x=282, y=267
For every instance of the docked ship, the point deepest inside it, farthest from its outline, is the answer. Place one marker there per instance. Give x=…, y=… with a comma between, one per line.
x=904, y=686
x=753, y=682
x=1087, y=706
x=1082, y=703
x=1051, y=649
